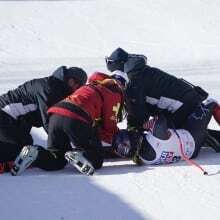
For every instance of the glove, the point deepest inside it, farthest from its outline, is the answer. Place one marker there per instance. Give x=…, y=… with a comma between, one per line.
x=137, y=160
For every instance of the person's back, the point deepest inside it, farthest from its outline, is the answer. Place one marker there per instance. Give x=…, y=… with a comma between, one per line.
x=155, y=82
x=29, y=102
x=101, y=101
x=152, y=91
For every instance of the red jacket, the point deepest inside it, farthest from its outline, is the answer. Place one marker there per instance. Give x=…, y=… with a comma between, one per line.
x=101, y=100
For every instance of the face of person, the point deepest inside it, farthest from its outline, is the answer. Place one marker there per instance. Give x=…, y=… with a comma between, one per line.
x=114, y=65
x=73, y=85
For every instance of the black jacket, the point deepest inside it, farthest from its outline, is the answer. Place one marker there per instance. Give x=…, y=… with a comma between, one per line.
x=28, y=103
x=152, y=91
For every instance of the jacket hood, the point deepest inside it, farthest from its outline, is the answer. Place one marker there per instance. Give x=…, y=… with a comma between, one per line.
x=119, y=55
x=78, y=74
x=59, y=73
x=134, y=64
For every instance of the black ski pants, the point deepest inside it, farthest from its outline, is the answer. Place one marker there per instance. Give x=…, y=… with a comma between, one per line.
x=13, y=136
x=65, y=134
x=197, y=124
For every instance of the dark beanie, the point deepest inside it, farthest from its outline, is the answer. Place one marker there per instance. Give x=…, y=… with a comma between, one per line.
x=77, y=74
x=116, y=60
x=119, y=55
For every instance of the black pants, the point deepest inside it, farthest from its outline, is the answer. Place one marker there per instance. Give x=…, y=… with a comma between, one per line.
x=190, y=102
x=14, y=134
x=215, y=134
x=213, y=140
x=65, y=133
x=197, y=125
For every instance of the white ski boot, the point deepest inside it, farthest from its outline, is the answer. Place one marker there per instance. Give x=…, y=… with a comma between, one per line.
x=82, y=164
x=26, y=157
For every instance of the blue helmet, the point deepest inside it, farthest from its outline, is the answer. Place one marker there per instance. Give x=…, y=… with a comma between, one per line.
x=126, y=142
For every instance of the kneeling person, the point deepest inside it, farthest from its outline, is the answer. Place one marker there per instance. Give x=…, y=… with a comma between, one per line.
x=76, y=127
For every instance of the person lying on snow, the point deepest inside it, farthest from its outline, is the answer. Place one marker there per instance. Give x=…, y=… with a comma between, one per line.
x=77, y=125
x=161, y=145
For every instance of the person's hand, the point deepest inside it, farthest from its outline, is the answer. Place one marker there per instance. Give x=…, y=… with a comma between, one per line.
x=149, y=125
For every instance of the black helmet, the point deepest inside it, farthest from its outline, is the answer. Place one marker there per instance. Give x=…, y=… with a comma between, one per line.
x=78, y=74
x=116, y=60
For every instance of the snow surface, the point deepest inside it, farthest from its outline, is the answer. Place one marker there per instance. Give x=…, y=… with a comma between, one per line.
x=181, y=37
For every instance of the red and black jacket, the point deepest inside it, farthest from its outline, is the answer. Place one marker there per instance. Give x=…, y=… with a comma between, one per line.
x=99, y=101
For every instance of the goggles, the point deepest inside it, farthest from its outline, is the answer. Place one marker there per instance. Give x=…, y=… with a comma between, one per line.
x=109, y=60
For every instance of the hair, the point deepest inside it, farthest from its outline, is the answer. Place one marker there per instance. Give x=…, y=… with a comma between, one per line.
x=76, y=73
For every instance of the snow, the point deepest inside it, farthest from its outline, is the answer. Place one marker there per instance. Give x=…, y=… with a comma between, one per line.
x=182, y=37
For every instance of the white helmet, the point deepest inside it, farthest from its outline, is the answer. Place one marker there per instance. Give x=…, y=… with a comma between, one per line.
x=121, y=76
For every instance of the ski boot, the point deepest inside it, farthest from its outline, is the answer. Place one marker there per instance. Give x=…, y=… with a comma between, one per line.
x=80, y=162
x=26, y=157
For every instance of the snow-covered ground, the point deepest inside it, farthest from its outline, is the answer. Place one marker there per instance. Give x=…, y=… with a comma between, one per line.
x=182, y=37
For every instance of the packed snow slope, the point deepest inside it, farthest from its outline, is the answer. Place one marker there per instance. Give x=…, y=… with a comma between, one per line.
x=181, y=37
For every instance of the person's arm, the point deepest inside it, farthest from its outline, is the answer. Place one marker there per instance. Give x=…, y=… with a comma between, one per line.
x=35, y=92
x=43, y=107
x=45, y=99
x=135, y=107
x=158, y=127
x=49, y=93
